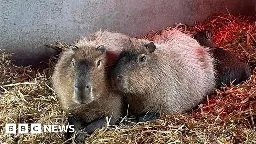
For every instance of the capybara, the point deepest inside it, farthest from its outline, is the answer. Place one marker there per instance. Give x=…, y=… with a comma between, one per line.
x=170, y=76
x=229, y=69
x=81, y=74
x=82, y=86
x=205, y=38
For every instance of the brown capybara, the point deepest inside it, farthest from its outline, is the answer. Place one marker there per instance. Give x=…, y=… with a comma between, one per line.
x=170, y=76
x=82, y=86
x=92, y=79
x=229, y=69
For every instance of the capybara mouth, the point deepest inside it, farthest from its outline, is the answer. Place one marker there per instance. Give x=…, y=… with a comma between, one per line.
x=119, y=83
x=82, y=97
x=83, y=101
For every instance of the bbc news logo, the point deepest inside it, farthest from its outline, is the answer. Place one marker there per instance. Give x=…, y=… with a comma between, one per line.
x=35, y=128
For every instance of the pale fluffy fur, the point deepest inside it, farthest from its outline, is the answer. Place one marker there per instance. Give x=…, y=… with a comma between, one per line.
x=114, y=42
x=177, y=79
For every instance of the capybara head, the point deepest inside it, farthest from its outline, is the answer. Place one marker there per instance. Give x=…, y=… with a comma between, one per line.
x=132, y=73
x=205, y=38
x=88, y=70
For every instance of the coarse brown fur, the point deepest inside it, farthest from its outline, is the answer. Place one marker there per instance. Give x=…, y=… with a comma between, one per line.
x=81, y=67
x=173, y=77
x=228, y=68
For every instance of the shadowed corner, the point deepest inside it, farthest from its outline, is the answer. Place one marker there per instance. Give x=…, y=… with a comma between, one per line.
x=36, y=58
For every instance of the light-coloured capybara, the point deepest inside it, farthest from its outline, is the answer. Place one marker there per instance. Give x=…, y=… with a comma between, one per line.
x=227, y=66
x=169, y=76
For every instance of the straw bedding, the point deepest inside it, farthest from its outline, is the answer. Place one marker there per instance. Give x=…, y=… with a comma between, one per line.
x=227, y=116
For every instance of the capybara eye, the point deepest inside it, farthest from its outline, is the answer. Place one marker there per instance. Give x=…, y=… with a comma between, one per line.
x=74, y=48
x=101, y=48
x=98, y=63
x=73, y=62
x=142, y=58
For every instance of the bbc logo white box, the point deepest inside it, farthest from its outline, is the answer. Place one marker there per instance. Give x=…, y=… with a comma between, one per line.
x=10, y=128
x=35, y=128
x=22, y=128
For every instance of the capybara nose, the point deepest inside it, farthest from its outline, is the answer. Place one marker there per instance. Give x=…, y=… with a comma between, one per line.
x=116, y=80
x=119, y=77
x=77, y=87
x=88, y=86
x=81, y=87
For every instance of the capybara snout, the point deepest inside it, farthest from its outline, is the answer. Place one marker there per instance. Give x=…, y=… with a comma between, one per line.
x=85, y=66
x=83, y=93
x=117, y=78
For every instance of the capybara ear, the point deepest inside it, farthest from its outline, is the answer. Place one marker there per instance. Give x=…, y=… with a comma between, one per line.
x=208, y=34
x=151, y=47
x=194, y=34
x=101, y=48
x=74, y=48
